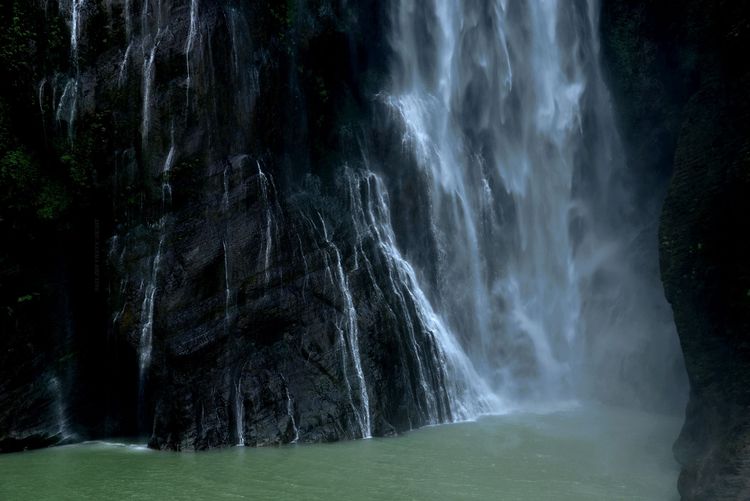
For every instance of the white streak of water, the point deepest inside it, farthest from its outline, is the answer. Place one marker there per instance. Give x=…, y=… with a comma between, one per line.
x=351, y=330
x=145, y=344
x=40, y=97
x=290, y=413
x=127, y=14
x=227, y=290
x=239, y=413
x=166, y=171
x=267, y=240
x=192, y=35
x=75, y=27
x=124, y=64
x=62, y=422
x=148, y=82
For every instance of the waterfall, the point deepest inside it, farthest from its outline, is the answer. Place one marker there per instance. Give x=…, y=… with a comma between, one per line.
x=165, y=172
x=351, y=343
x=348, y=335
x=147, y=311
x=149, y=297
x=124, y=64
x=267, y=237
x=62, y=422
x=225, y=183
x=192, y=34
x=290, y=412
x=66, y=108
x=40, y=97
x=239, y=413
x=75, y=28
x=148, y=82
x=531, y=221
x=127, y=15
x=468, y=393
x=504, y=109
x=227, y=291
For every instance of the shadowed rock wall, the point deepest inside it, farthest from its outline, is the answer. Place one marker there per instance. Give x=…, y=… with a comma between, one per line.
x=680, y=76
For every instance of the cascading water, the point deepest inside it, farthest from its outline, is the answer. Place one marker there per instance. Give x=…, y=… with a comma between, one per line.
x=227, y=290
x=467, y=392
x=239, y=414
x=499, y=102
x=66, y=108
x=147, y=311
x=290, y=412
x=148, y=82
x=62, y=422
x=75, y=27
x=496, y=101
x=68, y=104
x=348, y=337
x=268, y=212
x=124, y=64
x=192, y=34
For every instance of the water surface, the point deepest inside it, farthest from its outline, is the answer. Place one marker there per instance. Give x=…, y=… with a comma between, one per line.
x=589, y=453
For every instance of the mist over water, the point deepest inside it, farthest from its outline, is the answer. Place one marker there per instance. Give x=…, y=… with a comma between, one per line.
x=582, y=454
x=548, y=265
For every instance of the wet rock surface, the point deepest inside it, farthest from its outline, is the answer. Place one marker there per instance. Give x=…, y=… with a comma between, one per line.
x=245, y=294
x=680, y=78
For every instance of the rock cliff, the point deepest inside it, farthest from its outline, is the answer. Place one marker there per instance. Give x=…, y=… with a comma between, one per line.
x=679, y=72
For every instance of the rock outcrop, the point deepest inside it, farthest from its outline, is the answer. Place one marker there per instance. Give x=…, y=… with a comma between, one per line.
x=252, y=292
x=680, y=76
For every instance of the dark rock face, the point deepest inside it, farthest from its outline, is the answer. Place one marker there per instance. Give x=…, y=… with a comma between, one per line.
x=247, y=294
x=680, y=75
x=50, y=281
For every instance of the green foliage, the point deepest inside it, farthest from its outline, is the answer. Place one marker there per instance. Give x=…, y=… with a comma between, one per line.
x=33, y=45
x=17, y=47
x=25, y=189
x=19, y=176
x=52, y=201
x=79, y=169
x=18, y=168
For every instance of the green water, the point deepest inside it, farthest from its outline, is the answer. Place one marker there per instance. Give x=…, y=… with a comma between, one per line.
x=577, y=454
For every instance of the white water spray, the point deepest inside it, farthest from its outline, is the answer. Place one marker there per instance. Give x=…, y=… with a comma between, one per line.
x=491, y=96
